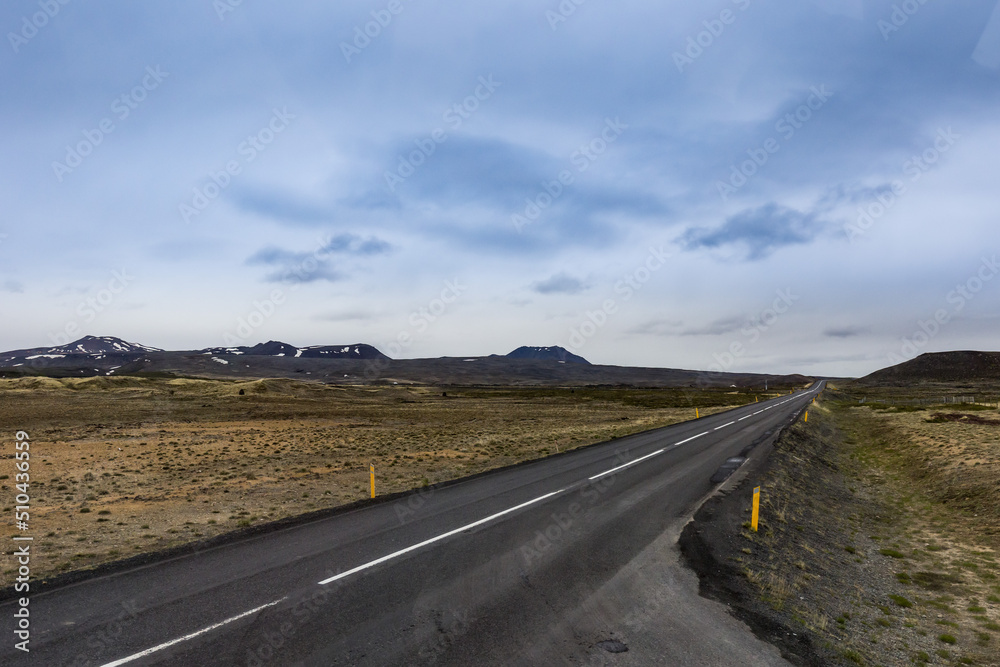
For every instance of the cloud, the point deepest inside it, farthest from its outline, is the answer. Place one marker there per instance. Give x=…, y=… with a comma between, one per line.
x=186, y=250
x=282, y=207
x=484, y=171
x=659, y=327
x=474, y=186
x=299, y=274
x=668, y=327
x=717, y=327
x=560, y=283
x=307, y=267
x=846, y=332
x=760, y=231
x=348, y=316
x=503, y=174
x=355, y=245
x=657, y=182
x=12, y=286
x=851, y=194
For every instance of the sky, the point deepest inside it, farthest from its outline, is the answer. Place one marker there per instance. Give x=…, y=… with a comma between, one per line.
x=805, y=186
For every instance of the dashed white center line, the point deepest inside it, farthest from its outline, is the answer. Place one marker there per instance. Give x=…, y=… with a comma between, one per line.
x=626, y=465
x=150, y=651
x=678, y=444
x=396, y=554
x=442, y=536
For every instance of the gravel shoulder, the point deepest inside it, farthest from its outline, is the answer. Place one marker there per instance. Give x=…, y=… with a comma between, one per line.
x=855, y=561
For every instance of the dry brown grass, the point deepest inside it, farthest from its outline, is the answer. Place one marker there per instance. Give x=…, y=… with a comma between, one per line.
x=942, y=481
x=879, y=534
x=128, y=465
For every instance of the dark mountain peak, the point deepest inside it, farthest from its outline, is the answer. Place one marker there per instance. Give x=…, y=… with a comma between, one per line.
x=356, y=351
x=553, y=353
x=272, y=348
x=101, y=345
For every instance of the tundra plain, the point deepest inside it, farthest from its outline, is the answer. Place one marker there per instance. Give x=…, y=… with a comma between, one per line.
x=126, y=466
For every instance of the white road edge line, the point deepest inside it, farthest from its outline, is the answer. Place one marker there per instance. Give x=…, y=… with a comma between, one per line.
x=436, y=539
x=150, y=651
x=742, y=418
x=625, y=465
x=724, y=426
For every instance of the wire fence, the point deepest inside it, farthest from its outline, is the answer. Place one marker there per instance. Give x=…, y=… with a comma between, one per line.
x=935, y=400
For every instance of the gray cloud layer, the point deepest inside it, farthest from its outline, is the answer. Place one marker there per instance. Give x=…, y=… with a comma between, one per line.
x=479, y=143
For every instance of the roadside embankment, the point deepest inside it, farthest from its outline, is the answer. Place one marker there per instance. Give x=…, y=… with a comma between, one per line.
x=863, y=554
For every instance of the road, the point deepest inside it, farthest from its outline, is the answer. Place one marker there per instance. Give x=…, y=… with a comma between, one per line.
x=566, y=560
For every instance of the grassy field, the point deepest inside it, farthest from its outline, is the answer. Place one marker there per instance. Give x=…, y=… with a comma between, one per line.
x=881, y=532
x=122, y=466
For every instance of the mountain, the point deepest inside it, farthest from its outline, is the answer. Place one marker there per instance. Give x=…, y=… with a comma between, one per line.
x=102, y=345
x=358, y=364
x=961, y=366
x=88, y=345
x=274, y=348
x=106, y=355
x=554, y=353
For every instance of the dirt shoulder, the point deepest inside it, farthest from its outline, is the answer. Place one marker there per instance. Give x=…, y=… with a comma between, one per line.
x=867, y=551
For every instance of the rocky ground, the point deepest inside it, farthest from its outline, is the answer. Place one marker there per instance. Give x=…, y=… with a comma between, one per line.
x=877, y=542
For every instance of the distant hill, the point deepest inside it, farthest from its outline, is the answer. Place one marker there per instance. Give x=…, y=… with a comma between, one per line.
x=88, y=345
x=554, y=353
x=359, y=364
x=961, y=366
x=107, y=355
x=275, y=348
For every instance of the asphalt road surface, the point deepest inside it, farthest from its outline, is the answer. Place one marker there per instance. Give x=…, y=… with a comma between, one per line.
x=569, y=560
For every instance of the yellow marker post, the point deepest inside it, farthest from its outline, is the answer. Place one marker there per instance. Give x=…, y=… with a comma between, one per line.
x=372, y=470
x=696, y=416
x=756, y=508
x=807, y=416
